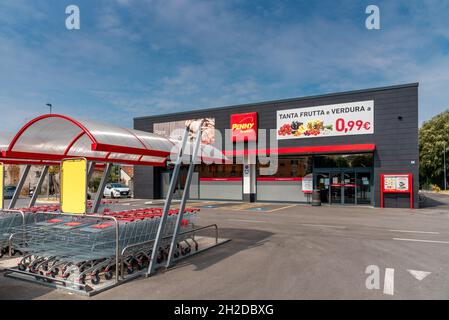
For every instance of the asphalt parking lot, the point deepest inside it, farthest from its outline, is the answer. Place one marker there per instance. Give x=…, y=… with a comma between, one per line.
x=296, y=252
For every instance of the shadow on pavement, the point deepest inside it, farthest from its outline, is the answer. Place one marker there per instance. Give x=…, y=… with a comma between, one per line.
x=434, y=200
x=241, y=239
x=13, y=289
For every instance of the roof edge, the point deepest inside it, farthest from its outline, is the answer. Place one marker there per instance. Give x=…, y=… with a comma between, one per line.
x=336, y=94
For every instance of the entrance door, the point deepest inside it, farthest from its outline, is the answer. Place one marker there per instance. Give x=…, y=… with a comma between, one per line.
x=349, y=185
x=322, y=184
x=344, y=187
x=363, y=187
x=336, y=188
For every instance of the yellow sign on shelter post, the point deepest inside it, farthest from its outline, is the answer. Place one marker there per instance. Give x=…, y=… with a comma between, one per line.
x=74, y=186
x=2, y=185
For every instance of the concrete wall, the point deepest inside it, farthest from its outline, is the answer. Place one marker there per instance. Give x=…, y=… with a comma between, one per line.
x=280, y=191
x=221, y=190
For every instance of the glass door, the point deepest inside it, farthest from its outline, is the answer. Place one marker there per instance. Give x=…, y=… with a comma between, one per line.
x=363, y=188
x=322, y=184
x=336, y=188
x=349, y=185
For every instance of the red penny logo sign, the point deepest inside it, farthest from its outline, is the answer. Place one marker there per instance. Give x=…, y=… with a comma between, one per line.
x=244, y=126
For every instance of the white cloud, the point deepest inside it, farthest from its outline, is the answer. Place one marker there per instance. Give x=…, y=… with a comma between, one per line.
x=154, y=56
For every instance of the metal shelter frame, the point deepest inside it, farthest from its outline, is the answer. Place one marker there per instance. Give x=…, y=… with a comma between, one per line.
x=49, y=139
x=4, y=144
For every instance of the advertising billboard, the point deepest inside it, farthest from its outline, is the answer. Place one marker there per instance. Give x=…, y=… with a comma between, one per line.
x=307, y=184
x=167, y=128
x=343, y=119
x=74, y=186
x=396, y=183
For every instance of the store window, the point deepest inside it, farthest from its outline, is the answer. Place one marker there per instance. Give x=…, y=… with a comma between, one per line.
x=221, y=171
x=344, y=161
x=289, y=167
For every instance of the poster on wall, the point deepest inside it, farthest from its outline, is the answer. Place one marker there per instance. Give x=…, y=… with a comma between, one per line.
x=396, y=183
x=307, y=184
x=343, y=119
x=208, y=137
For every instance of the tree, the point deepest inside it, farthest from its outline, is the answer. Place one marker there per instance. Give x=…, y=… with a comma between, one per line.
x=14, y=174
x=114, y=176
x=433, y=135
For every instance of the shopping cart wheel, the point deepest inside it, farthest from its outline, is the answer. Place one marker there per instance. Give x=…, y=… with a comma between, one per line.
x=39, y=278
x=95, y=278
x=108, y=275
x=47, y=280
x=54, y=272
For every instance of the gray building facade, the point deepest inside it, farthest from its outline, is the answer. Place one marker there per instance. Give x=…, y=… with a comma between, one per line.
x=346, y=167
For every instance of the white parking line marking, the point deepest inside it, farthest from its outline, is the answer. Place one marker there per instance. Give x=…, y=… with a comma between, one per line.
x=420, y=240
x=410, y=231
x=241, y=220
x=389, y=281
x=419, y=275
x=322, y=225
x=282, y=208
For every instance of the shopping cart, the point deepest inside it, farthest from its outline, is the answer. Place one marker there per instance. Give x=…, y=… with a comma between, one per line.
x=11, y=220
x=72, y=249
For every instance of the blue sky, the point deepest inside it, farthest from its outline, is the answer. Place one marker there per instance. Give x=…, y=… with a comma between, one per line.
x=142, y=57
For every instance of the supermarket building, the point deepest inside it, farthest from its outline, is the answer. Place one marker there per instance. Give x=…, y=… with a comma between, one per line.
x=356, y=148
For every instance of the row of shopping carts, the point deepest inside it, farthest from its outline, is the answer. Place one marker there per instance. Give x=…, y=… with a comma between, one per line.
x=73, y=249
x=11, y=219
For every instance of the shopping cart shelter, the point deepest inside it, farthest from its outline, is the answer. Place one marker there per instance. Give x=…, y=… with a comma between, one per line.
x=85, y=246
x=355, y=148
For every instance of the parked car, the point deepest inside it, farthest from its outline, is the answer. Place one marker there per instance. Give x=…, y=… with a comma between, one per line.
x=116, y=190
x=8, y=192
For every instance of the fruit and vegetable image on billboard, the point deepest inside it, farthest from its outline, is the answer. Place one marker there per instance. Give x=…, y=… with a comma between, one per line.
x=343, y=119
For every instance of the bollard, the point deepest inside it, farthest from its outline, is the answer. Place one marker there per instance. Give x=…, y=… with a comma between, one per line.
x=316, y=199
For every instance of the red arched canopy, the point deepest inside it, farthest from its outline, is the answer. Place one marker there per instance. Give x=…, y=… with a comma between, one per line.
x=54, y=137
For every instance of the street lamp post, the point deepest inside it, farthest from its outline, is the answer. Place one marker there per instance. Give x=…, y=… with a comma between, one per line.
x=444, y=160
x=50, y=106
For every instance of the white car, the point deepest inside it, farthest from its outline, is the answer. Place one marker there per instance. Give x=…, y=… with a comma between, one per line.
x=116, y=190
